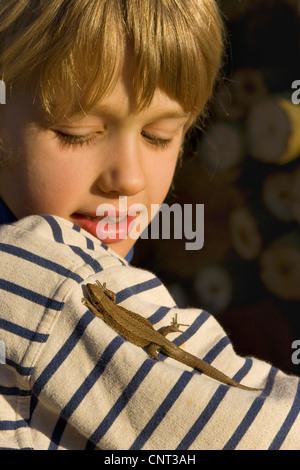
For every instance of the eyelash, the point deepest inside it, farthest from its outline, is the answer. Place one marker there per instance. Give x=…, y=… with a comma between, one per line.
x=69, y=140
x=156, y=141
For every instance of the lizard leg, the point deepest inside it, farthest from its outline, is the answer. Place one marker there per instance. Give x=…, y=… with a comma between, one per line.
x=153, y=350
x=109, y=293
x=173, y=328
x=90, y=306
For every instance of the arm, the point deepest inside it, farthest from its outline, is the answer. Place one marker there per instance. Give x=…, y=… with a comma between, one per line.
x=115, y=390
x=89, y=388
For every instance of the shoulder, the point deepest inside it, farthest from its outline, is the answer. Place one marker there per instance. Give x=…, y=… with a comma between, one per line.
x=43, y=260
x=53, y=238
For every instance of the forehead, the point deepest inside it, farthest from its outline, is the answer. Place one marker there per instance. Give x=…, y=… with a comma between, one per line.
x=121, y=105
x=79, y=49
x=118, y=106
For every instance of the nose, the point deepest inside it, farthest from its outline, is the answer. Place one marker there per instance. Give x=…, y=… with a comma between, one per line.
x=123, y=171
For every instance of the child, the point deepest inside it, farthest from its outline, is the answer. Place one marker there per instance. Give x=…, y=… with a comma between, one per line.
x=100, y=95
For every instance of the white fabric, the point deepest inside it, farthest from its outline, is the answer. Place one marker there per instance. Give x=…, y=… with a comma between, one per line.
x=70, y=382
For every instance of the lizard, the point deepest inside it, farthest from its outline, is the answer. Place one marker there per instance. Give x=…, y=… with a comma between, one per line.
x=138, y=330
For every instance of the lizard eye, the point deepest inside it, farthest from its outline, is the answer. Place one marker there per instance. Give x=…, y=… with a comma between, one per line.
x=110, y=294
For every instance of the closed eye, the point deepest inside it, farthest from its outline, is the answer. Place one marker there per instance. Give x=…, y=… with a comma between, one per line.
x=156, y=141
x=70, y=140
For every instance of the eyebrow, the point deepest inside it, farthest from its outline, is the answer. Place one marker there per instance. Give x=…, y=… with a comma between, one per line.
x=173, y=114
x=107, y=111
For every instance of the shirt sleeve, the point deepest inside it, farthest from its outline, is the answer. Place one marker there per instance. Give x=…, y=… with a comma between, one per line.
x=88, y=388
x=116, y=397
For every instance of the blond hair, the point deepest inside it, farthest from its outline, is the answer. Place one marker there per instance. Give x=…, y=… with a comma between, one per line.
x=69, y=53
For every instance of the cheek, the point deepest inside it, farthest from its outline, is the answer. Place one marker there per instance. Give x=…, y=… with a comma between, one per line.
x=41, y=185
x=54, y=187
x=162, y=179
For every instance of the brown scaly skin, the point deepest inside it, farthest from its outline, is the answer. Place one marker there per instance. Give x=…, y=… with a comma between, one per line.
x=139, y=331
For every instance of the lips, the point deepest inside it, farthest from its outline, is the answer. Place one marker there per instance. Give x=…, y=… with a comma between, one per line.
x=108, y=229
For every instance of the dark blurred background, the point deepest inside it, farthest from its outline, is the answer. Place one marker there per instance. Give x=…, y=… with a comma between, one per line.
x=245, y=169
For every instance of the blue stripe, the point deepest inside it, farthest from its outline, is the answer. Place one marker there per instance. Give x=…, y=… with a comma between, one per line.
x=160, y=313
x=89, y=244
x=76, y=228
x=14, y=391
x=55, y=227
x=30, y=295
x=60, y=357
x=14, y=448
x=24, y=371
x=288, y=423
x=133, y=385
x=218, y=348
x=38, y=260
x=83, y=390
x=157, y=316
x=58, y=237
x=252, y=413
x=93, y=263
x=121, y=403
x=211, y=407
x=137, y=288
x=13, y=425
x=162, y=410
x=23, y=332
x=192, y=329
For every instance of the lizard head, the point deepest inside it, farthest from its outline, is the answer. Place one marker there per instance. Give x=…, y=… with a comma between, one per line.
x=97, y=291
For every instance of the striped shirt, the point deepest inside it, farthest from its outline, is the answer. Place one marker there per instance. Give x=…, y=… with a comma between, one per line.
x=68, y=381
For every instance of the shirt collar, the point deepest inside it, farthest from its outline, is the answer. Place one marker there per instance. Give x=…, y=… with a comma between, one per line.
x=129, y=255
x=7, y=217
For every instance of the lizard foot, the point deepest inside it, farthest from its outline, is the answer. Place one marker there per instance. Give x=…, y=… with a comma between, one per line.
x=173, y=328
x=153, y=350
x=109, y=293
x=91, y=307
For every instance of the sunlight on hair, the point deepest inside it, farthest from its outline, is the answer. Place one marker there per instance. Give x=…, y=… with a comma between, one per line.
x=176, y=46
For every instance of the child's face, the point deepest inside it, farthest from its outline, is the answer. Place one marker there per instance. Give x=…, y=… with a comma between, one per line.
x=74, y=166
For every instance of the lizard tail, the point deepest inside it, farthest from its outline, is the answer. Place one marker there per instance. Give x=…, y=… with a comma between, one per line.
x=207, y=369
